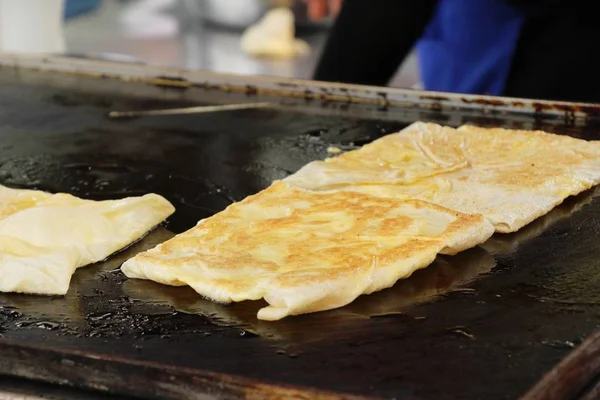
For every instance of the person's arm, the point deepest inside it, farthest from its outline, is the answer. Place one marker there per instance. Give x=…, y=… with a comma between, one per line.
x=370, y=39
x=542, y=8
x=550, y=59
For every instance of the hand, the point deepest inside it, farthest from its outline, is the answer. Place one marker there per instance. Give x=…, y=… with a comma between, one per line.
x=320, y=9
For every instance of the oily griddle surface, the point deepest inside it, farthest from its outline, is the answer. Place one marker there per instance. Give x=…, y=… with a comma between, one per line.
x=486, y=323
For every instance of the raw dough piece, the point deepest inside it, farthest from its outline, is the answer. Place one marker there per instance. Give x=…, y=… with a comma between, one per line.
x=273, y=36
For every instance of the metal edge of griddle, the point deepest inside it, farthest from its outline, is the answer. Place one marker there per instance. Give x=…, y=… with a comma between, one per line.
x=306, y=89
x=357, y=111
x=143, y=379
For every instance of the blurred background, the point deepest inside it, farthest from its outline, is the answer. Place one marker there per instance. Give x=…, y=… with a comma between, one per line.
x=195, y=34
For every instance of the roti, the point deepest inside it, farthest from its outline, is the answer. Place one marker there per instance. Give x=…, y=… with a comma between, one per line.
x=45, y=237
x=511, y=177
x=304, y=251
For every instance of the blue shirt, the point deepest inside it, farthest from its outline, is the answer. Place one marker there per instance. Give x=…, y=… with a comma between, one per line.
x=468, y=46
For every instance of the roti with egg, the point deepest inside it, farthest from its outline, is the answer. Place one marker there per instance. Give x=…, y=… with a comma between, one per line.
x=304, y=251
x=45, y=237
x=511, y=177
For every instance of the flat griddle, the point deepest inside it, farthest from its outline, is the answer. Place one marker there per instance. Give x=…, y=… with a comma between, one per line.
x=485, y=324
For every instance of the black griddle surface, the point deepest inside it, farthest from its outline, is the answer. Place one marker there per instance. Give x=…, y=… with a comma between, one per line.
x=485, y=324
